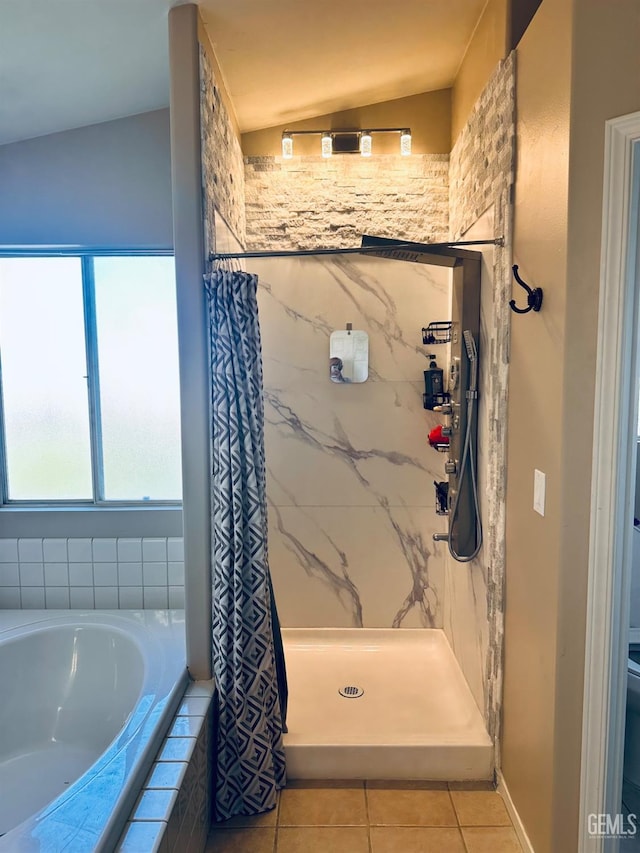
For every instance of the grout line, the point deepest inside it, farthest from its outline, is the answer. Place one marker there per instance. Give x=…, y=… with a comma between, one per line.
x=276, y=834
x=366, y=808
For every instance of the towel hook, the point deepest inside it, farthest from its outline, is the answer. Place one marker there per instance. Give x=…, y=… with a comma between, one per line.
x=534, y=297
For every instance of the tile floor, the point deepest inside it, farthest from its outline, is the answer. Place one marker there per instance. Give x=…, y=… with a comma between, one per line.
x=374, y=817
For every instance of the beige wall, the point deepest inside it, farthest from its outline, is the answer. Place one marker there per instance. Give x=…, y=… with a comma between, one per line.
x=428, y=115
x=606, y=84
x=487, y=47
x=533, y=434
x=106, y=184
x=577, y=66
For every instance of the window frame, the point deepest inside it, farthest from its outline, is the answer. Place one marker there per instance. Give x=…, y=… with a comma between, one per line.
x=97, y=501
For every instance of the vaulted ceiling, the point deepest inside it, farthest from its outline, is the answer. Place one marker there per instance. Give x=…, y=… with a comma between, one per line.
x=68, y=63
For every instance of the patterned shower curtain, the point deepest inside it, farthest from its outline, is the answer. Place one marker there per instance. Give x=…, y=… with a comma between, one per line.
x=247, y=649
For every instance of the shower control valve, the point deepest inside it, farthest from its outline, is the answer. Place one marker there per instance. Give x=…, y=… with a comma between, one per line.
x=450, y=467
x=447, y=431
x=444, y=409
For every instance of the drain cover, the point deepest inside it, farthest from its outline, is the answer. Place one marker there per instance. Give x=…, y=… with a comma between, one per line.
x=350, y=692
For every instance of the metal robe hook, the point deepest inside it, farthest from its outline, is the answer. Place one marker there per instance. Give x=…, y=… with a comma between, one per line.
x=534, y=297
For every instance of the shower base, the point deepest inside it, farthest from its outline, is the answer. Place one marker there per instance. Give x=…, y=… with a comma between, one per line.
x=416, y=718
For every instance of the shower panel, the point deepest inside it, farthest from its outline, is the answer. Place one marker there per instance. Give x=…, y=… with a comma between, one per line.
x=455, y=396
x=464, y=536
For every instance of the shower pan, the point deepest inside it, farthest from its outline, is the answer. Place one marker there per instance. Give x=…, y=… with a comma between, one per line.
x=380, y=704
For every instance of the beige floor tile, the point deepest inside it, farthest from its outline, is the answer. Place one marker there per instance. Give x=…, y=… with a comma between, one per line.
x=323, y=839
x=265, y=819
x=241, y=841
x=491, y=839
x=322, y=807
x=480, y=808
x=410, y=807
x=414, y=839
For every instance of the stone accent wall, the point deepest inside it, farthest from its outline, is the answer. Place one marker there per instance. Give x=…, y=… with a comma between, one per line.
x=481, y=177
x=311, y=202
x=222, y=165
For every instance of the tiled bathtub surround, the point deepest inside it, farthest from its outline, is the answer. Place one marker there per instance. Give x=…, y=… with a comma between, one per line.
x=92, y=573
x=349, y=470
x=172, y=814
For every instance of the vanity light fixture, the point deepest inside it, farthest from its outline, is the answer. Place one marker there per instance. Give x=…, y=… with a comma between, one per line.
x=405, y=142
x=346, y=141
x=287, y=146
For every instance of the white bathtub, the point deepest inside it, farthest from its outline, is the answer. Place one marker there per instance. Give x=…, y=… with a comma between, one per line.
x=85, y=700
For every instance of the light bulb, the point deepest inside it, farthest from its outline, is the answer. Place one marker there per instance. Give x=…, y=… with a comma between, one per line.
x=327, y=145
x=287, y=146
x=365, y=143
x=405, y=143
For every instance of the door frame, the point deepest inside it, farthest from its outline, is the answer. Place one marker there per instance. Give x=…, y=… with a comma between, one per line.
x=613, y=484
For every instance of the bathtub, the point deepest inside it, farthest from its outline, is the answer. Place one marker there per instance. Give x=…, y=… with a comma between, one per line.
x=86, y=698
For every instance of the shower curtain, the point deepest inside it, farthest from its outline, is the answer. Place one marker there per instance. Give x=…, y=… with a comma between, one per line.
x=248, y=663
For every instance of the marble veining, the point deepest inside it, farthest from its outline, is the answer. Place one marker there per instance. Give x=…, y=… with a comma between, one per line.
x=349, y=470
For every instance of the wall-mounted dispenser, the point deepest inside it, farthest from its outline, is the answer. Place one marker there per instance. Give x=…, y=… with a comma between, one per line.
x=434, y=393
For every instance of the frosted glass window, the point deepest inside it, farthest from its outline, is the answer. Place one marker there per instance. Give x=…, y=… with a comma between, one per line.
x=139, y=386
x=42, y=345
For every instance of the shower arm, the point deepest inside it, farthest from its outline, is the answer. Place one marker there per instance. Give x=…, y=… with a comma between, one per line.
x=291, y=253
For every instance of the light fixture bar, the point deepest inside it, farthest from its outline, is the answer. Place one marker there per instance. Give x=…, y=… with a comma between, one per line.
x=331, y=140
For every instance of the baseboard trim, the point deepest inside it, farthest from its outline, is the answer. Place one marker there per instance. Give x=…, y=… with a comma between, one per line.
x=523, y=838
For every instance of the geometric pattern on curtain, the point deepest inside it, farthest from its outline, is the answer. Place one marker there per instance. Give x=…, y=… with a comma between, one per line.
x=250, y=754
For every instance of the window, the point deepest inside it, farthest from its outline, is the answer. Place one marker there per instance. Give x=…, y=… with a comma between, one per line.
x=89, y=382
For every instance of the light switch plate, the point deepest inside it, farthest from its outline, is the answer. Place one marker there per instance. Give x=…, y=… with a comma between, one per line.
x=539, y=489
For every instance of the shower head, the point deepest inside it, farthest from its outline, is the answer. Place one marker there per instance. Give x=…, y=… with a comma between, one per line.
x=469, y=342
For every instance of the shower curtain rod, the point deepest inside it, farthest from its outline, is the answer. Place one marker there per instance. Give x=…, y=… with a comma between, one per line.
x=416, y=247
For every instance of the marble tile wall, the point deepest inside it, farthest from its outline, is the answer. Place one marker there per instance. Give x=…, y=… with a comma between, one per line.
x=349, y=470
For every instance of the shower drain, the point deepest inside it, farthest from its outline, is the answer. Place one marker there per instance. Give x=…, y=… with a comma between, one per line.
x=350, y=692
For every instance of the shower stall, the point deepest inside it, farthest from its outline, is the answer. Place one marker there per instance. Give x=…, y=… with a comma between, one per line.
x=360, y=582
x=392, y=647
